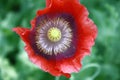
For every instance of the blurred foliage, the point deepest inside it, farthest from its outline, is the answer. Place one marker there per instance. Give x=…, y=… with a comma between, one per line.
x=103, y=64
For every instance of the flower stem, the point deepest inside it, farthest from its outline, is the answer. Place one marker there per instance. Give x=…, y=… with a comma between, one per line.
x=57, y=78
x=93, y=65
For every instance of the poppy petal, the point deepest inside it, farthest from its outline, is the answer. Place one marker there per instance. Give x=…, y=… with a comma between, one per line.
x=84, y=29
x=41, y=62
x=68, y=66
x=23, y=33
x=48, y=2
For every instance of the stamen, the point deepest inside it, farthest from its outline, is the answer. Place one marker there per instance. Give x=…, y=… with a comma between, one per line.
x=54, y=34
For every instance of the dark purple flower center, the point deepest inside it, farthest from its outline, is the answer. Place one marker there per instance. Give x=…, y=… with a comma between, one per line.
x=54, y=36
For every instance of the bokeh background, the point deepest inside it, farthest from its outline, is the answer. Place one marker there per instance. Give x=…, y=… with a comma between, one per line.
x=102, y=64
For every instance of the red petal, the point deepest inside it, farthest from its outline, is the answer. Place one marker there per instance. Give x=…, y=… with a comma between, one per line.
x=70, y=65
x=48, y=66
x=23, y=33
x=33, y=23
x=42, y=12
x=86, y=31
x=49, y=2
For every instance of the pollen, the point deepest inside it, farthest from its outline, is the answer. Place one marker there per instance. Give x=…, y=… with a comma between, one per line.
x=54, y=34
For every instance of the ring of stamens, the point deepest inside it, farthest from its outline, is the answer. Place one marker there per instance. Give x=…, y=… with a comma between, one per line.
x=53, y=40
x=54, y=34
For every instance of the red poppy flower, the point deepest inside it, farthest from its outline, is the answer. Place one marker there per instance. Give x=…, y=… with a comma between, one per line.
x=61, y=35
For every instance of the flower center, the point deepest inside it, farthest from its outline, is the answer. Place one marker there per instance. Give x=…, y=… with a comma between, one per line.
x=54, y=34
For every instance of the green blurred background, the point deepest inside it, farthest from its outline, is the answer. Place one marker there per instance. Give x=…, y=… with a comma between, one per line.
x=103, y=64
